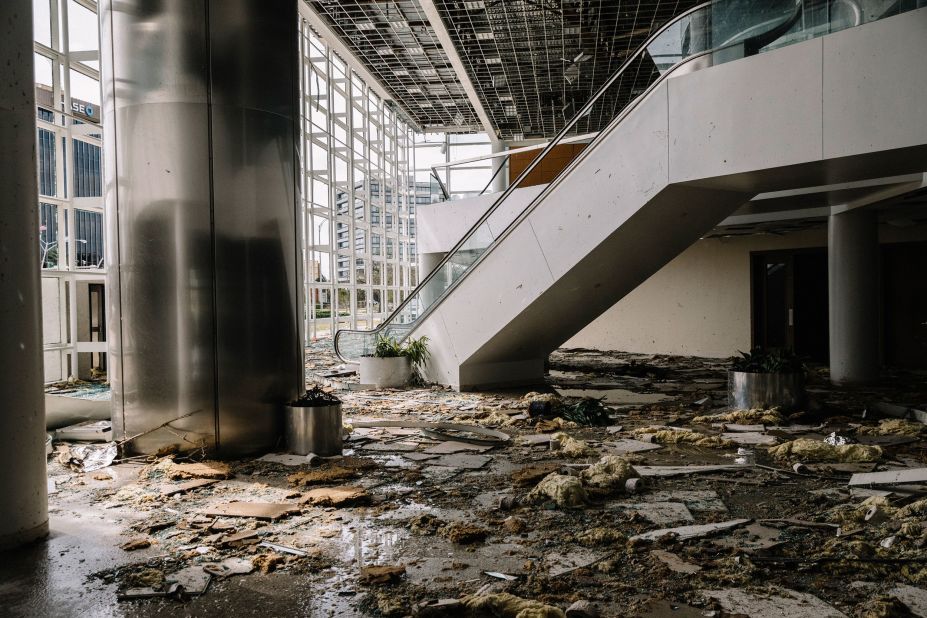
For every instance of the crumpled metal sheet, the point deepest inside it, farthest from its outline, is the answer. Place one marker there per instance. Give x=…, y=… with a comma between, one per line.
x=89, y=457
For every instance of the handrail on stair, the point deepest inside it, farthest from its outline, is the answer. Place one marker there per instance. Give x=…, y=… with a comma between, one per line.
x=394, y=323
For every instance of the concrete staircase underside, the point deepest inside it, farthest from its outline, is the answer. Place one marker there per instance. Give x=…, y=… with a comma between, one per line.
x=845, y=107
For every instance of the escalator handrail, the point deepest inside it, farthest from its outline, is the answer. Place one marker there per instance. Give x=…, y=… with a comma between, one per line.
x=587, y=107
x=508, y=191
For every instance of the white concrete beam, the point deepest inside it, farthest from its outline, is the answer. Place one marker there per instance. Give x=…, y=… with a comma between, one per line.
x=434, y=18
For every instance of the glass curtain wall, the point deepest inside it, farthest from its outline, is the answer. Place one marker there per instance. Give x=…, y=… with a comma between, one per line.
x=462, y=181
x=358, y=194
x=67, y=89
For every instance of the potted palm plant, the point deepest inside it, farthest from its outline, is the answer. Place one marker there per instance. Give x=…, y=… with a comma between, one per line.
x=394, y=364
x=766, y=379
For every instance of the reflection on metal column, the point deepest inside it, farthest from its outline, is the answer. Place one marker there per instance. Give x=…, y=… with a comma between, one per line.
x=200, y=98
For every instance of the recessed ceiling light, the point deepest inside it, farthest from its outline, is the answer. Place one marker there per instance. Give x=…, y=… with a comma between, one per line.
x=400, y=72
x=414, y=90
x=428, y=72
x=366, y=25
x=399, y=24
x=475, y=5
x=485, y=36
x=493, y=60
x=415, y=50
x=385, y=51
x=510, y=110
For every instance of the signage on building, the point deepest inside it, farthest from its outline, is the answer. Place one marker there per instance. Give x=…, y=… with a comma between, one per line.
x=82, y=110
x=85, y=110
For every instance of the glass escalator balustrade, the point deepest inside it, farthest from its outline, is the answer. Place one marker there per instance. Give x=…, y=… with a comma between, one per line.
x=721, y=31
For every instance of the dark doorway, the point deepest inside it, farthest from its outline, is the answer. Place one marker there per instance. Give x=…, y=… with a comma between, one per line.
x=904, y=305
x=97, y=313
x=790, y=301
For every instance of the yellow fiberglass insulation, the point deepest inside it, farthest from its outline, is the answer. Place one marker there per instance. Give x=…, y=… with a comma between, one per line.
x=561, y=489
x=611, y=472
x=505, y=605
x=745, y=417
x=893, y=427
x=805, y=449
x=663, y=435
x=572, y=447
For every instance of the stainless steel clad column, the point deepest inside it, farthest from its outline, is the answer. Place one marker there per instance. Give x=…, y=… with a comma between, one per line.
x=24, y=510
x=201, y=151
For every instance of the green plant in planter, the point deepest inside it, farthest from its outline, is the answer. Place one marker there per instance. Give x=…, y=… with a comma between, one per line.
x=387, y=347
x=416, y=350
x=759, y=360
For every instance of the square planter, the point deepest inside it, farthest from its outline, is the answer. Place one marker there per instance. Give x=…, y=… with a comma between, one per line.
x=746, y=391
x=392, y=372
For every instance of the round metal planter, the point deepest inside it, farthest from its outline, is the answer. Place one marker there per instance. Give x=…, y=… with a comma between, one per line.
x=314, y=429
x=746, y=391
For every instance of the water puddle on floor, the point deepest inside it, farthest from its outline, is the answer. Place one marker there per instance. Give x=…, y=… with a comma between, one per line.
x=617, y=396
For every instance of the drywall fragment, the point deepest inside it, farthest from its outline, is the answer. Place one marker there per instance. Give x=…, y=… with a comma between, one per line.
x=229, y=567
x=170, y=490
x=890, y=477
x=674, y=562
x=748, y=437
x=381, y=574
x=343, y=495
x=690, y=532
x=259, y=510
x=778, y=603
x=200, y=470
x=914, y=598
x=194, y=580
x=629, y=445
x=646, y=471
x=659, y=513
x=468, y=462
x=451, y=446
x=135, y=544
x=582, y=609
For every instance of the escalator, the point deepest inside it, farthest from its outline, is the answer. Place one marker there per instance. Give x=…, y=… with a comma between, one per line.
x=523, y=280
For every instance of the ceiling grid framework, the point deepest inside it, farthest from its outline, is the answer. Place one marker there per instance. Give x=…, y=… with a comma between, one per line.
x=534, y=63
x=531, y=63
x=396, y=43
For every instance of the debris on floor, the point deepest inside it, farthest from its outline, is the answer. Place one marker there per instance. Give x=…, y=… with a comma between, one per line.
x=623, y=489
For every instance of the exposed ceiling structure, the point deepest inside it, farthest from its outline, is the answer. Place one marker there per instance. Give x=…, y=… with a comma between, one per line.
x=395, y=41
x=532, y=63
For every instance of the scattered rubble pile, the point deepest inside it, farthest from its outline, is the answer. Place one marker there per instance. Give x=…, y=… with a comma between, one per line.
x=619, y=493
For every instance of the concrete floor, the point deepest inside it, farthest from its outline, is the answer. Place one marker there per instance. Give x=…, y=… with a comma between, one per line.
x=80, y=568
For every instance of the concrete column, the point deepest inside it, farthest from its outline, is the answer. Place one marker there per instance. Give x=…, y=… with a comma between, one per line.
x=427, y=262
x=202, y=121
x=501, y=182
x=853, y=273
x=24, y=502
